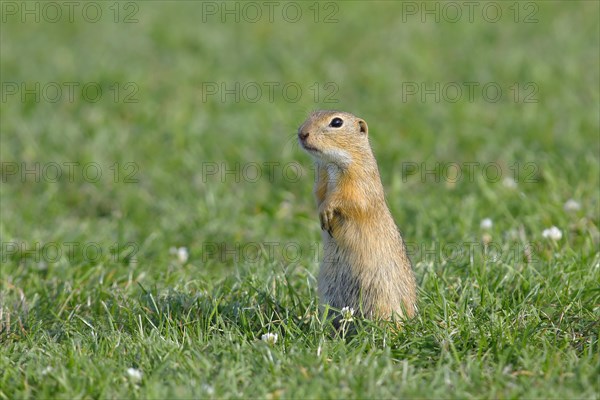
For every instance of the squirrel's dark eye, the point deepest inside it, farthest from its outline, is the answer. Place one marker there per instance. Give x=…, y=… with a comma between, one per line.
x=336, y=122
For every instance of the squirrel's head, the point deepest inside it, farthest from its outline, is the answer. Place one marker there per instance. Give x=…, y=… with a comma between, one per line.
x=334, y=137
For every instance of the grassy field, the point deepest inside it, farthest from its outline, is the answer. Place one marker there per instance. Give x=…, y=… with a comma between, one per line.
x=157, y=215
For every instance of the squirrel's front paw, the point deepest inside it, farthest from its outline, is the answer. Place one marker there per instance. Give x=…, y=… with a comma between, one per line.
x=326, y=215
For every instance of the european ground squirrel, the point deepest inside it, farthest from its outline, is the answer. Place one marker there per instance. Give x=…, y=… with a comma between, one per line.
x=365, y=265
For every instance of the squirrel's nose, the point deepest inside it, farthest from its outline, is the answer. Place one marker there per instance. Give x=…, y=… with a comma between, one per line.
x=302, y=135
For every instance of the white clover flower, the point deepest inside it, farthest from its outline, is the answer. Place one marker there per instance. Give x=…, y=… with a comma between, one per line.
x=552, y=233
x=509, y=182
x=486, y=223
x=47, y=370
x=270, y=338
x=572, y=205
x=181, y=253
x=347, y=314
x=134, y=374
x=208, y=389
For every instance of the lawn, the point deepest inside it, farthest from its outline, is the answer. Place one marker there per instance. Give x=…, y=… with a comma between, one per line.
x=157, y=218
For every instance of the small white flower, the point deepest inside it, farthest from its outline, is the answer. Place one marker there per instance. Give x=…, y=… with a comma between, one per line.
x=552, y=233
x=208, y=389
x=47, y=370
x=134, y=374
x=270, y=338
x=509, y=182
x=181, y=253
x=42, y=266
x=572, y=205
x=486, y=223
x=347, y=314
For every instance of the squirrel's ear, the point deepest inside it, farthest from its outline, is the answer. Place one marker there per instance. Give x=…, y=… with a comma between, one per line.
x=363, y=126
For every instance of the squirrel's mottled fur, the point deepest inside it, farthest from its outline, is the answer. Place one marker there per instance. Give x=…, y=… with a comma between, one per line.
x=365, y=265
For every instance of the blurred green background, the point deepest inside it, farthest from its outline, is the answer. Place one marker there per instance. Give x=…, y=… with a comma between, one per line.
x=163, y=122
x=371, y=56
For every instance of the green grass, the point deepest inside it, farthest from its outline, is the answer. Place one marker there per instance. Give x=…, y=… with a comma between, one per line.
x=518, y=319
